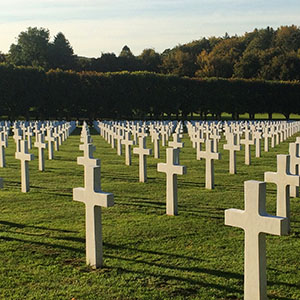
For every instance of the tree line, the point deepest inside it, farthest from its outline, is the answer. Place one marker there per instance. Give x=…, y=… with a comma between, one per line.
x=34, y=93
x=266, y=54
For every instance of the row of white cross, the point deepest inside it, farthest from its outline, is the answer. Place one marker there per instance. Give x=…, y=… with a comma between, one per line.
x=254, y=220
x=57, y=133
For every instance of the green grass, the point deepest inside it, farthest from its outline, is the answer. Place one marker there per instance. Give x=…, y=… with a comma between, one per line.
x=147, y=254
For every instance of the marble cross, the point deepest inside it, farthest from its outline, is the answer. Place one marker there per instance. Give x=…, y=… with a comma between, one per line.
x=29, y=135
x=128, y=143
x=294, y=166
x=119, y=137
x=232, y=147
x=283, y=180
x=257, y=141
x=199, y=140
x=172, y=169
x=3, y=144
x=248, y=141
x=256, y=223
x=209, y=157
x=41, y=145
x=142, y=151
x=24, y=157
x=156, y=136
x=94, y=198
x=50, y=139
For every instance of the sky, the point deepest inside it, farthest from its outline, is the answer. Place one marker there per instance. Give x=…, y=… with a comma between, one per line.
x=99, y=26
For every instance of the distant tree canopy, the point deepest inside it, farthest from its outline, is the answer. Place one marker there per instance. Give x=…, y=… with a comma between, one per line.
x=265, y=54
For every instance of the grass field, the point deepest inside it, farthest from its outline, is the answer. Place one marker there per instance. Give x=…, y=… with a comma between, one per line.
x=147, y=254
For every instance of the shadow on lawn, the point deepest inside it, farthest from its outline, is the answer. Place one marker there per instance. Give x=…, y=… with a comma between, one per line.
x=17, y=225
x=183, y=292
x=48, y=245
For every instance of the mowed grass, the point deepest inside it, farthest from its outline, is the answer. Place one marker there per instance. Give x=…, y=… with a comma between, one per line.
x=147, y=254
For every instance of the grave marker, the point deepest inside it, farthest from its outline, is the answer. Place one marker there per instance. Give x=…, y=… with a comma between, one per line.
x=283, y=180
x=256, y=223
x=209, y=157
x=142, y=151
x=41, y=145
x=24, y=157
x=94, y=199
x=232, y=147
x=172, y=169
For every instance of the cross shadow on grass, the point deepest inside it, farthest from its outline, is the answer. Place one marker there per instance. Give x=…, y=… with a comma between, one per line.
x=18, y=225
x=42, y=244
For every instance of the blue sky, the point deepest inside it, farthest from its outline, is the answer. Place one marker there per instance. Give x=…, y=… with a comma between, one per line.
x=95, y=26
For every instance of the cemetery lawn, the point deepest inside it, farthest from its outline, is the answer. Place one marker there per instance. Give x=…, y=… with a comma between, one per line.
x=147, y=254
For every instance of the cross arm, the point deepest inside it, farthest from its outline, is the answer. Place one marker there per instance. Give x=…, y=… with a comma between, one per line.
x=271, y=177
x=235, y=217
x=95, y=198
x=274, y=225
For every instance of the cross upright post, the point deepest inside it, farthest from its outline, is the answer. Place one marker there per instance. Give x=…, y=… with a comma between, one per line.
x=94, y=198
x=209, y=157
x=283, y=180
x=172, y=169
x=142, y=151
x=24, y=157
x=256, y=223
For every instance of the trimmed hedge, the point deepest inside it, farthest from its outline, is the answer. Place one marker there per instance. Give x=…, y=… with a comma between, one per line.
x=32, y=93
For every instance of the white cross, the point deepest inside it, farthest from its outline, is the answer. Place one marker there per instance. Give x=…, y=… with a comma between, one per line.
x=56, y=141
x=256, y=223
x=198, y=139
x=17, y=137
x=3, y=144
x=94, y=199
x=156, y=136
x=29, y=135
x=142, y=151
x=41, y=145
x=232, y=147
x=247, y=142
x=209, y=157
x=215, y=137
x=50, y=139
x=171, y=168
x=128, y=143
x=176, y=143
x=24, y=157
x=294, y=166
x=266, y=136
x=119, y=137
x=257, y=141
x=283, y=179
